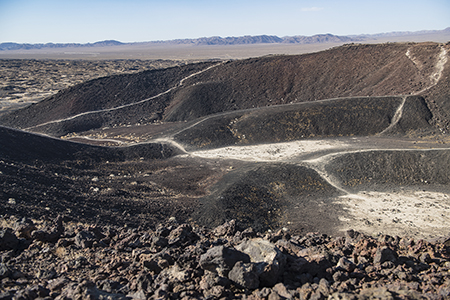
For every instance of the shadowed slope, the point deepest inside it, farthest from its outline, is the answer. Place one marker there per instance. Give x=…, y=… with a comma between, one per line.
x=336, y=117
x=25, y=147
x=137, y=185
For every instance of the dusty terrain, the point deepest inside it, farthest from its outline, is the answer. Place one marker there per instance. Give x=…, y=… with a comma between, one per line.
x=240, y=121
x=355, y=137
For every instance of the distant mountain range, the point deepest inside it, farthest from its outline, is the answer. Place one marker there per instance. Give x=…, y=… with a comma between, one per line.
x=217, y=40
x=263, y=39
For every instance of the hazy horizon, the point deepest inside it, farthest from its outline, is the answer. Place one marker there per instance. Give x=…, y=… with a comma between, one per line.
x=224, y=37
x=51, y=21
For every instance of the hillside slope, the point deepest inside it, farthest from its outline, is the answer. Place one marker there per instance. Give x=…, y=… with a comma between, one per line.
x=197, y=90
x=364, y=116
x=103, y=93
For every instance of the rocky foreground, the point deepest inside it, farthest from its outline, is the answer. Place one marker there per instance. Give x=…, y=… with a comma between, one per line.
x=63, y=259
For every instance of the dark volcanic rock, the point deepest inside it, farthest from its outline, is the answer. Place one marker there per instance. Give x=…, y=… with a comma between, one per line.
x=385, y=254
x=87, y=255
x=38, y=147
x=226, y=229
x=268, y=259
x=391, y=167
x=364, y=90
x=319, y=270
x=104, y=93
x=221, y=259
x=4, y=271
x=245, y=275
x=105, y=273
x=84, y=239
x=8, y=240
x=52, y=234
x=181, y=235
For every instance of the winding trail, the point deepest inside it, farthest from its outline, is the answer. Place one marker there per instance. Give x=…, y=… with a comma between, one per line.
x=314, y=154
x=397, y=116
x=299, y=104
x=98, y=140
x=438, y=68
x=319, y=167
x=180, y=83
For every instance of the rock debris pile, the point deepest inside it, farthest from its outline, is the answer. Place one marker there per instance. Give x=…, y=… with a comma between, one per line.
x=62, y=259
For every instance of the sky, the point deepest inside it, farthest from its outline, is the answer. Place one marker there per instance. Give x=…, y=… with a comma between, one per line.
x=88, y=21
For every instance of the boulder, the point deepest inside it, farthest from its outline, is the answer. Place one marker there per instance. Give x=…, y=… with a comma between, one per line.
x=25, y=227
x=385, y=254
x=51, y=234
x=211, y=279
x=57, y=283
x=346, y=265
x=282, y=291
x=245, y=275
x=8, y=240
x=376, y=293
x=221, y=259
x=174, y=274
x=226, y=229
x=84, y=239
x=182, y=235
x=268, y=259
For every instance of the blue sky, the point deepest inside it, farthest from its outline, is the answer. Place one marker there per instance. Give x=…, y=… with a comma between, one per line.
x=83, y=21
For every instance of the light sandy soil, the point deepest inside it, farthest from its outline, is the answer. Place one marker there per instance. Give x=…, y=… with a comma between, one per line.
x=412, y=212
x=420, y=213
x=271, y=152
